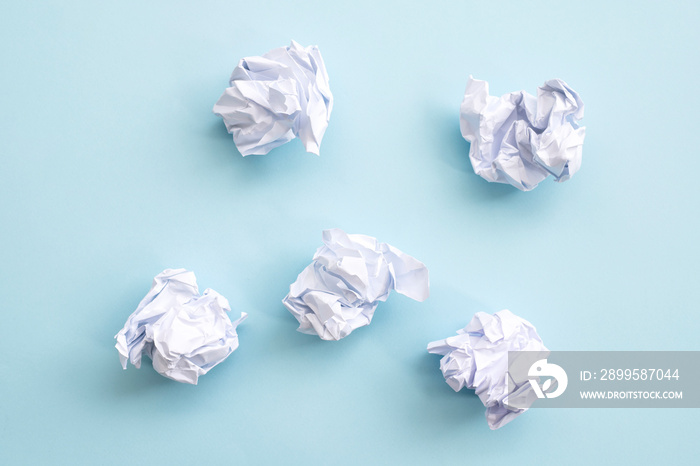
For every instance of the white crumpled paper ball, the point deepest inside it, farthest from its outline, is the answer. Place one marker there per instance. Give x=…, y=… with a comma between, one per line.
x=521, y=139
x=274, y=98
x=477, y=358
x=184, y=333
x=350, y=274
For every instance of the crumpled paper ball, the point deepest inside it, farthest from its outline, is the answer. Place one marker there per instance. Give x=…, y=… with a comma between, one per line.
x=274, y=98
x=350, y=274
x=521, y=139
x=184, y=333
x=477, y=358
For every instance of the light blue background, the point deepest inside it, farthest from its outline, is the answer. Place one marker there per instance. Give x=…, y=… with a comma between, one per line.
x=114, y=168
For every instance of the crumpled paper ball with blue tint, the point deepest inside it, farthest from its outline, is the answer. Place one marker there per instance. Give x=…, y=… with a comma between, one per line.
x=477, y=358
x=350, y=274
x=521, y=139
x=184, y=333
x=274, y=98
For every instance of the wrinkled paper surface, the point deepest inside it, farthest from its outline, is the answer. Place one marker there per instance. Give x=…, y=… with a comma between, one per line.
x=274, y=98
x=521, y=139
x=350, y=274
x=184, y=333
x=477, y=358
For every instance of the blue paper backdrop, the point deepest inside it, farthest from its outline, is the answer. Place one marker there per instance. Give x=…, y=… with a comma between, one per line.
x=114, y=168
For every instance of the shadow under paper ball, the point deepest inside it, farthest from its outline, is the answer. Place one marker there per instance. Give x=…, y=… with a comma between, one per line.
x=442, y=409
x=455, y=152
